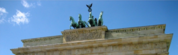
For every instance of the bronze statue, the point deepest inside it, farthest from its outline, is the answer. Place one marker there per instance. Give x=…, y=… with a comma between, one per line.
x=96, y=22
x=89, y=7
x=82, y=24
x=73, y=24
x=100, y=20
x=92, y=22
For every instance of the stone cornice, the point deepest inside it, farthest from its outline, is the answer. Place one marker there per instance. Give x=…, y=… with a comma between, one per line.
x=83, y=44
x=81, y=30
x=40, y=39
x=162, y=26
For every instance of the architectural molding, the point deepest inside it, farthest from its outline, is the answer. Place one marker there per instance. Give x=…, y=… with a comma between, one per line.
x=99, y=43
x=146, y=40
x=41, y=39
x=138, y=28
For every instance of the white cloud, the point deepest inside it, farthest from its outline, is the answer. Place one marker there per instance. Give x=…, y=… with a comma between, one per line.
x=27, y=5
x=20, y=17
x=3, y=10
x=3, y=13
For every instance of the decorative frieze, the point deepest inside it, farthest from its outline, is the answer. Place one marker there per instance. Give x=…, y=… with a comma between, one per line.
x=84, y=34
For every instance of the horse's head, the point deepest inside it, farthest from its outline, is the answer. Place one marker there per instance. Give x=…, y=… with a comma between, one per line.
x=101, y=13
x=80, y=17
x=71, y=18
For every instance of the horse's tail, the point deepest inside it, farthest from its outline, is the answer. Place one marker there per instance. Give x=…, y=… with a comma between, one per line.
x=87, y=24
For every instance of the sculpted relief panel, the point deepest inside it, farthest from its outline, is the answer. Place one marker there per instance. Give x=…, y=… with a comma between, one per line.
x=83, y=36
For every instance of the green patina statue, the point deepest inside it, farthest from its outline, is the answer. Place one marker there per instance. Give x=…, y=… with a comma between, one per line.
x=96, y=22
x=82, y=24
x=91, y=20
x=73, y=24
x=89, y=7
x=100, y=20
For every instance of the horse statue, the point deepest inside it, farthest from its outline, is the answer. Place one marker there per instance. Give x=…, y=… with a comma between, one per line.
x=100, y=20
x=73, y=24
x=81, y=23
x=91, y=20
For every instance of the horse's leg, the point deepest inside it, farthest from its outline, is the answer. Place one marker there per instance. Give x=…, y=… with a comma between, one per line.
x=83, y=26
x=71, y=26
x=100, y=23
x=79, y=24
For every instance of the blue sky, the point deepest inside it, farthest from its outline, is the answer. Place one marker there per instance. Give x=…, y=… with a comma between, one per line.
x=24, y=19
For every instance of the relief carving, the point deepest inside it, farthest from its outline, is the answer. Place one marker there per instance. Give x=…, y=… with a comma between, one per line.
x=83, y=36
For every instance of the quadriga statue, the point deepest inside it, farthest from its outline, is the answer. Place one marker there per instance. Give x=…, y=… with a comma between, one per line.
x=82, y=24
